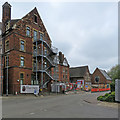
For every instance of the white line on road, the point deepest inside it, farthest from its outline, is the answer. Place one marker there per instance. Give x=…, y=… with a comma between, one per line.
x=32, y=113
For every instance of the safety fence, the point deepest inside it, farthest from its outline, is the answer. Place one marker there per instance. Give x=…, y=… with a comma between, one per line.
x=99, y=89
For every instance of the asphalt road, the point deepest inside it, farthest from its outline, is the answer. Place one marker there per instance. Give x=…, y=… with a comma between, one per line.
x=83, y=105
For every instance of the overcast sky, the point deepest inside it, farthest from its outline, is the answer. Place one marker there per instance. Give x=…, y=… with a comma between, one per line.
x=86, y=32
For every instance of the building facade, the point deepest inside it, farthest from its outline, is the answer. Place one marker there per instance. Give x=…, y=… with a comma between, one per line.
x=100, y=79
x=81, y=77
x=1, y=75
x=28, y=51
x=61, y=74
x=61, y=71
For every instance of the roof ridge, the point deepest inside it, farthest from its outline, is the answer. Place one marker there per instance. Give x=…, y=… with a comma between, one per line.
x=79, y=66
x=105, y=74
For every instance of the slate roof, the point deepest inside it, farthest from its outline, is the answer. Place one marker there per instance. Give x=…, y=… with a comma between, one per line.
x=13, y=21
x=105, y=74
x=78, y=71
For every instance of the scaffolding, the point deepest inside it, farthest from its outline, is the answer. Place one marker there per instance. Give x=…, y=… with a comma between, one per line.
x=43, y=58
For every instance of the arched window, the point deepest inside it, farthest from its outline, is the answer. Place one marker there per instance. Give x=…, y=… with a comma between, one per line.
x=97, y=79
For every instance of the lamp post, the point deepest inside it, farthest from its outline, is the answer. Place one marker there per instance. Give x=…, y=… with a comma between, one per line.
x=7, y=77
x=1, y=75
x=1, y=55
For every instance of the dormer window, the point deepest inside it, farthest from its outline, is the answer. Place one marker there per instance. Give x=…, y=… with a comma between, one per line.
x=7, y=25
x=35, y=18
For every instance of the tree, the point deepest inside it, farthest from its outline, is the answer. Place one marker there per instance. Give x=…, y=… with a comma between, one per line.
x=114, y=73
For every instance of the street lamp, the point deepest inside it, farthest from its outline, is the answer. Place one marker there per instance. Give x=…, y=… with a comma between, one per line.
x=7, y=77
x=1, y=75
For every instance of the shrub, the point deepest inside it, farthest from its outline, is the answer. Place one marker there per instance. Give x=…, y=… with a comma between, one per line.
x=106, y=94
x=112, y=86
x=109, y=97
x=113, y=93
x=101, y=98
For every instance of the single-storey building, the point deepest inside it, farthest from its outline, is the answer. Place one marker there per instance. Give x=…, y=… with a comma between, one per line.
x=81, y=76
x=100, y=79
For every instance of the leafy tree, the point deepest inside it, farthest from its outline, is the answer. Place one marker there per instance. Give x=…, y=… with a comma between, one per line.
x=114, y=73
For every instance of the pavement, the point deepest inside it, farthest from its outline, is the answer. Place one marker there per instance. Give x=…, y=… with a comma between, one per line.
x=44, y=95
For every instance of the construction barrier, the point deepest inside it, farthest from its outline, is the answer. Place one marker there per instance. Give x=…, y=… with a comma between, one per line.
x=99, y=89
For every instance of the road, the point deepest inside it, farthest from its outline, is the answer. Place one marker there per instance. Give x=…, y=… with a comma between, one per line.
x=82, y=105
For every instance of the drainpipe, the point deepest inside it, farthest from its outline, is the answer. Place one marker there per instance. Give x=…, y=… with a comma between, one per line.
x=7, y=78
x=36, y=62
x=42, y=68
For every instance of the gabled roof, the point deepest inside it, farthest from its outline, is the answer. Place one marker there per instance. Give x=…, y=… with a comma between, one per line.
x=6, y=4
x=105, y=74
x=65, y=62
x=78, y=71
x=13, y=21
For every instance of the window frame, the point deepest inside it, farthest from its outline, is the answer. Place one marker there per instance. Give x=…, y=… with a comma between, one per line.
x=23, y=61
x=35, y=37
x=28, y=30
x=41, y=36
x=7, y=25
x=35, y=18
x=7, y=45
x=45, y=51
x=6, y=61
x=22, y=78
x=98, y=79
x=24, y=45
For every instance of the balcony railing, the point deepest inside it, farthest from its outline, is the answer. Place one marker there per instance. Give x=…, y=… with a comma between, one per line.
x=39, y=53
x=45, y=70
x=53, y=49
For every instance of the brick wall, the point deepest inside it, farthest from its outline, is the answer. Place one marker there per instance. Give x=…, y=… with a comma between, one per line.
x=102, y=79
x=14, y=36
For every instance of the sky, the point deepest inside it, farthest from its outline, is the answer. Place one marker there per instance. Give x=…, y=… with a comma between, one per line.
x=86, y=32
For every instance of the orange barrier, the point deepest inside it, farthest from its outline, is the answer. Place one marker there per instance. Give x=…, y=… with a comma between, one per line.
x=99, y=89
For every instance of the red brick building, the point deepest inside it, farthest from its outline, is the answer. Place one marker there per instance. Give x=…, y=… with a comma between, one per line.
x=81, y=76
x=61, y=71
x=28, y=52
x=100, y=79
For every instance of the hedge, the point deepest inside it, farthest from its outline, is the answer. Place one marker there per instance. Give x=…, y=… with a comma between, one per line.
x=108, y=97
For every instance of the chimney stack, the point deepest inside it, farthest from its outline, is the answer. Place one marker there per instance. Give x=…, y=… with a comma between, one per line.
x=6, y=14
x=61, y=57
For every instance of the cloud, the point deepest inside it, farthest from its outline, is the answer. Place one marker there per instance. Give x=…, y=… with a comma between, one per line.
x=87, y=38
x=85, y=32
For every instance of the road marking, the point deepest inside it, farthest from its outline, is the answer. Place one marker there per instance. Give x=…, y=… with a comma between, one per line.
x=45, y=110
x=32, y=113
